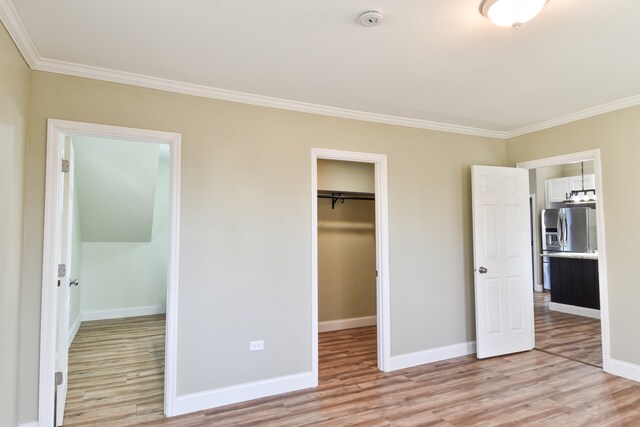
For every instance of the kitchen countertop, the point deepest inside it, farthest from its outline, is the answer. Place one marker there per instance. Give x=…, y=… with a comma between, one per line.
x=574, y=255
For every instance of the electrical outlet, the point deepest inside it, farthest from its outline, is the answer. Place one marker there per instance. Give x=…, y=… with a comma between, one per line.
x=256, y=345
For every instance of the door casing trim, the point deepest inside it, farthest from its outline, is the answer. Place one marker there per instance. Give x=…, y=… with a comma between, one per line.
x=536, y=259
x=56, y=130
x=383, y=311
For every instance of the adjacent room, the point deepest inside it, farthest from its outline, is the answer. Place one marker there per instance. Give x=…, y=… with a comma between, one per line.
x=567, y=295
x=118, y=279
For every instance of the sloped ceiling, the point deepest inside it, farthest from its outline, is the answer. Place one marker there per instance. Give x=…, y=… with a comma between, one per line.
x=434, y=64
x=116, y=188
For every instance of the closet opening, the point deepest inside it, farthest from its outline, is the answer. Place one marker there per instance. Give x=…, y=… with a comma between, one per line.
x=347, y=313
x=326, y=211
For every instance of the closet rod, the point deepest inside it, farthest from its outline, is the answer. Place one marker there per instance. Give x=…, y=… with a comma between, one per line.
x=338, y=196
x=342, y=196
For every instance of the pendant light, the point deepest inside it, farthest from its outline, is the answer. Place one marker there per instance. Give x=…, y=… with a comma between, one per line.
x=583, y=195
x=511, y=13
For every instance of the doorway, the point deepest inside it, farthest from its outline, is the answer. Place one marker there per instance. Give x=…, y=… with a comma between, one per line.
x=346, y=268
x=381, y=251
x=117, y=304
x=572, y=332
x=53, y=326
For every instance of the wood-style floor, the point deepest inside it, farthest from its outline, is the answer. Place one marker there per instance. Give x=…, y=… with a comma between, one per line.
x=567, y=335
x=532, y=388
x=116, y=372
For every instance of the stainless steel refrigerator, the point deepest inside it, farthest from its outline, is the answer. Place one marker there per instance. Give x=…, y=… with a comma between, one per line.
x=567, y=230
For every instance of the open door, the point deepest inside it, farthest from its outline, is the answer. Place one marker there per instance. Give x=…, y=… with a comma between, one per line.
x=502, y=260
x=65, y=218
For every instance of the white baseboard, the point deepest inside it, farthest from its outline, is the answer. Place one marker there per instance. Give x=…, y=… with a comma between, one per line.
x=434, y=355
x=28, y=424
x=122, y=312
x=538, y=288
x=74, y=328
x=240, y=393
x=574, y=309
x=624, y=369
x=355, y=322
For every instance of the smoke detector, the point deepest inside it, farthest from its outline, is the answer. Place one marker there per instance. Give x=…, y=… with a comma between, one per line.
x=370, y=18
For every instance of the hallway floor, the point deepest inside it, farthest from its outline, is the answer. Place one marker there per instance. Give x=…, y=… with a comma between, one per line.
x=567, y=335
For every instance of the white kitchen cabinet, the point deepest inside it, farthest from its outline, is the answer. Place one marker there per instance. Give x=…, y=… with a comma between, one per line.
x=575, y=182
x=556, y=189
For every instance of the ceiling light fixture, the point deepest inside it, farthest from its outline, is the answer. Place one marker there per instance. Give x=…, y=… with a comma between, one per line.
x=584, y=195
x=511, y=13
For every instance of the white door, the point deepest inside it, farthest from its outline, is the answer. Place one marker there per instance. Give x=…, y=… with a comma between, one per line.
x=65, y=221
x=502, y=260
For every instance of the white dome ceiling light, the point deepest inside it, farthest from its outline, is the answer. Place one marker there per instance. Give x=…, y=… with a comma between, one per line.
x=511, y=13
x=370, y=18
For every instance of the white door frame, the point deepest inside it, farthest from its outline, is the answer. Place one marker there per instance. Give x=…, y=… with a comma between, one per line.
x=537, y=287
x=65, y=221
x=382, y=251
x=602, y=251
x=56, y=130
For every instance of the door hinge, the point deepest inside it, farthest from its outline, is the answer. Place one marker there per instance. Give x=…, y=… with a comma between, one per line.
x=62, y=270
x=59, y=378
x=376, y=273
x=65, y=166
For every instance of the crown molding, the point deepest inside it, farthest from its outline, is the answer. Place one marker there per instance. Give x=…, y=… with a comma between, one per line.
x=87, y=71
x=19, y=34
x=15, y=27
x=578, y=115
x=22, y=39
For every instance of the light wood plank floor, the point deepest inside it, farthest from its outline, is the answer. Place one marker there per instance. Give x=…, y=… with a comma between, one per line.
x=116, y=372
x=533, y=388
x=567, y=335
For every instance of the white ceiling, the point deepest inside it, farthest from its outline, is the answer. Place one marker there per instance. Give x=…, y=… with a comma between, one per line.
x=435, y=64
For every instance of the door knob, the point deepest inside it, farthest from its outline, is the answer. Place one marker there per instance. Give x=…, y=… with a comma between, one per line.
x=482, y=270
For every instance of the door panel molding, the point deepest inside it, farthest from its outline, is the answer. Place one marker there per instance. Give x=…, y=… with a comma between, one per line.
x=502, y=260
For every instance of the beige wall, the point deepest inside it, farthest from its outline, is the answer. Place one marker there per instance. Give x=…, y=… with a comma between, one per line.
x=245, y=235
x=346, y=176
x=573, y=169
x=346, y=261
x=14, y=97
x=616, y=134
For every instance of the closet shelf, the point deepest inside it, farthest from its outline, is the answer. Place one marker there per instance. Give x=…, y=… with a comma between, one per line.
x=341, y=196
